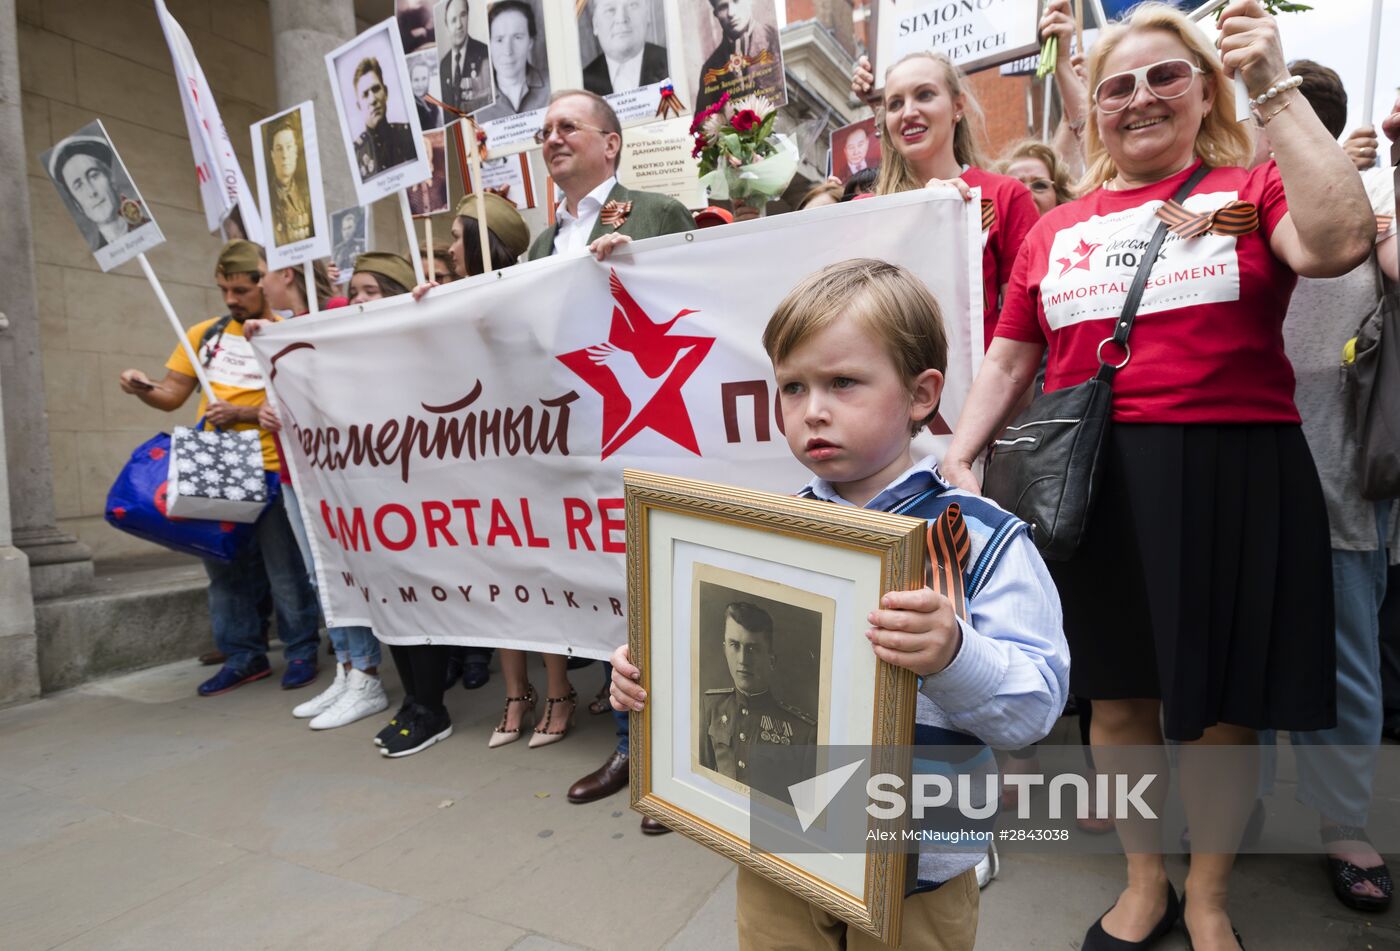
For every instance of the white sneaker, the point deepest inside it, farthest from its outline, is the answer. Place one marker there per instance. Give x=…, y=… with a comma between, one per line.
x=364, y=696
x=988, y=867
x=323, y=700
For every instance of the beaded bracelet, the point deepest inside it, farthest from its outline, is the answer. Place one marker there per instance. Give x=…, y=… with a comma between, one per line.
x=1283, y=85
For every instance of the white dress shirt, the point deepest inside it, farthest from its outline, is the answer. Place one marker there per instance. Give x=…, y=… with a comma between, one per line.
x=626, y=74
x=574, y=230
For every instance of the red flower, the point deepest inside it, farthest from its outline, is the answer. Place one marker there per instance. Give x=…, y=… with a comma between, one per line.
x=745, y=120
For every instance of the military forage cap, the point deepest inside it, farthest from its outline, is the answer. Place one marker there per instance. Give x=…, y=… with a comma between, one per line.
x=501, y=218
x=392, y=266
x=240, y=256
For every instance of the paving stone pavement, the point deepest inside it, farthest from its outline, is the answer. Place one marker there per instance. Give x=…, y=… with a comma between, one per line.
x=134, y=815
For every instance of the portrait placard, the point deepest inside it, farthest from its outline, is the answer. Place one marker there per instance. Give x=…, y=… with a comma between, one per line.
x=519, y=71
x=350, y=230
x=731, y=48
x=622, y=47
x=429, y=197
x=378, y=120
x=415, y=19
x=464, y=56
x=974, y=36
x=100, y=196
x=509, y=176
x=423, y=78
x=854, y=148
x=656, y=158
x=287, y=164
x=746, y=614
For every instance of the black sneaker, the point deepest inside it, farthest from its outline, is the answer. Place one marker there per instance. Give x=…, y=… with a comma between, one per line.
x=394, y=725
x=423, y=728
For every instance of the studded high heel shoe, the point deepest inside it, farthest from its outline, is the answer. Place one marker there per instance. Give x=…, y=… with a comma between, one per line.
x=501, y=736
x=544, y=737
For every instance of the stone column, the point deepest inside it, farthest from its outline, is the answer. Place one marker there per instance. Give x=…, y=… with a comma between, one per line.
x=58, y=562
x=303, y=32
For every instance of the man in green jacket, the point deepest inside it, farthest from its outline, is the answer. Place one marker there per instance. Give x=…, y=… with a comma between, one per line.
x=582, y=140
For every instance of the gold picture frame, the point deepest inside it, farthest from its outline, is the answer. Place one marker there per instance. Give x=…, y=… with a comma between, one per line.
x=683, y=534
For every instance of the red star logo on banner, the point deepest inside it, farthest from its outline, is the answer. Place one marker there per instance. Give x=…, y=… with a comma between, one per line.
x=639, y=371
x=1084, y=250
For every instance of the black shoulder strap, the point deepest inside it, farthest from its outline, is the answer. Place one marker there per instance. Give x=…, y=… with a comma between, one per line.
x=1134, y=298
x=216, y=329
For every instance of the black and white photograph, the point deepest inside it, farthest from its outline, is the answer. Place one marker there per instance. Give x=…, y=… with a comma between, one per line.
x=622, y=45
x=100, y=196
x=509, y=176
x=288, y=174
x=350, y=231
x=464, y=57
x=519, y=61
x=415, y=19
x=760, y=648
x=378, y=119
x=731, y=46
x=423, y=78
x=429, y=197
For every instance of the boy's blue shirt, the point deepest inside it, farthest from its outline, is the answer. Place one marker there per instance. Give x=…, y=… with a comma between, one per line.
x=1008, y=682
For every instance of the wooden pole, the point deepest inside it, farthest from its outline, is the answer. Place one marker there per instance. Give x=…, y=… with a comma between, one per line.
x=179, y=328
x=313, y=299
x=1371, y=59
x=474, y=164
x=1079, y=26
x=412, y=234
x=428, y=240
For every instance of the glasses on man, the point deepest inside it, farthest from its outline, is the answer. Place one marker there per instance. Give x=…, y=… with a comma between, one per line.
x=1168, y=79
x=566, y=130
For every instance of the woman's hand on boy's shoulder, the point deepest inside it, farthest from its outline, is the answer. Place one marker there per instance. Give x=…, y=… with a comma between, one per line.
x=917, y=630
x=959, y=474
x=626, y=692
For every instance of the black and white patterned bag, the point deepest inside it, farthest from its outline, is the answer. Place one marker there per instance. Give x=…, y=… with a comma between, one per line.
x=216, y=474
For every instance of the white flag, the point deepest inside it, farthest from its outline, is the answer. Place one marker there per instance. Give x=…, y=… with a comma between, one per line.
x=459, y=459
x=222, y=186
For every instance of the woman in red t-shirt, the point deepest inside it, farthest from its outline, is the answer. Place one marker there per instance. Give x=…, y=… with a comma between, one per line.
x=1201, y=593
x=925, y=117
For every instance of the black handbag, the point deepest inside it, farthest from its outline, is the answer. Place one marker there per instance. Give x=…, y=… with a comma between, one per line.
x=1046, y=467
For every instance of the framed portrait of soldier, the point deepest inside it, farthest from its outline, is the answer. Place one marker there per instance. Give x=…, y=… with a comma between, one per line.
x=429, y=197
x=622, y=46
x=746, y=617
x=464, y=56
x=855, y=148
x=378, y=120
x=731, y=46
x=416, y=28
x=519, y=73
x=287, y=165
x=100, y=196
x=350, y=231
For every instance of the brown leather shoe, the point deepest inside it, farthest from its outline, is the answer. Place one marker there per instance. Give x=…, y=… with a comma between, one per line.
x=651, y=827
x=607, y=779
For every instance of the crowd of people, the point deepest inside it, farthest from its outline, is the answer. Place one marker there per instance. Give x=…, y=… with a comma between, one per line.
x=1196, y=611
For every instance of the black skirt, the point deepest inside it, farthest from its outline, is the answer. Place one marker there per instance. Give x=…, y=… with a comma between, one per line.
x=1205, y=580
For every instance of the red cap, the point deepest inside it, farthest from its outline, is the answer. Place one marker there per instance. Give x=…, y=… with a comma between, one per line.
x=711, y=216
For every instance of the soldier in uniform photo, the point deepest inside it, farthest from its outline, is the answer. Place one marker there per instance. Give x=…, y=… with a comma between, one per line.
x=291, y=198
x=83, y=166
x=465, y=63
x=349, y=243
x=737, y=723
x=747, y=60
x=384, y=144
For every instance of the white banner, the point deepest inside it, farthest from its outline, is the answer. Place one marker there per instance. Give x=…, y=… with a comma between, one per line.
x=974, y=34
x=459, y=460
x=222, y=186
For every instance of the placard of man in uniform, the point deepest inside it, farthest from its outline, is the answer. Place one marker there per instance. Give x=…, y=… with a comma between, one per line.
x=291, y=194
x=348, y=226
x=384, y=144
x=740, y=723
x=464, y=62
x=748, y=58
x=627, y=60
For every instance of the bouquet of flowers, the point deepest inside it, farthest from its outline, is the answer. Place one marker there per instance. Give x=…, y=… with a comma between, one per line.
x=741, y=157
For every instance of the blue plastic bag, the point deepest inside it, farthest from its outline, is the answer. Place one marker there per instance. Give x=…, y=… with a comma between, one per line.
x=136, y=505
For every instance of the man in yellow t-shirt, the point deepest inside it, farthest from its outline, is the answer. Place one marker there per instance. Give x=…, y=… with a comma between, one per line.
x=272, y=561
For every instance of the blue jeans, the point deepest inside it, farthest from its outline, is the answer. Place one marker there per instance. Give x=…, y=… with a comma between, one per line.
x=270, y=562
x=618, y=718
x=356, y=646
x=1336, y=767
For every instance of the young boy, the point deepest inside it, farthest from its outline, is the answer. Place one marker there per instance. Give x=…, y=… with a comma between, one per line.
x=858, y=350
